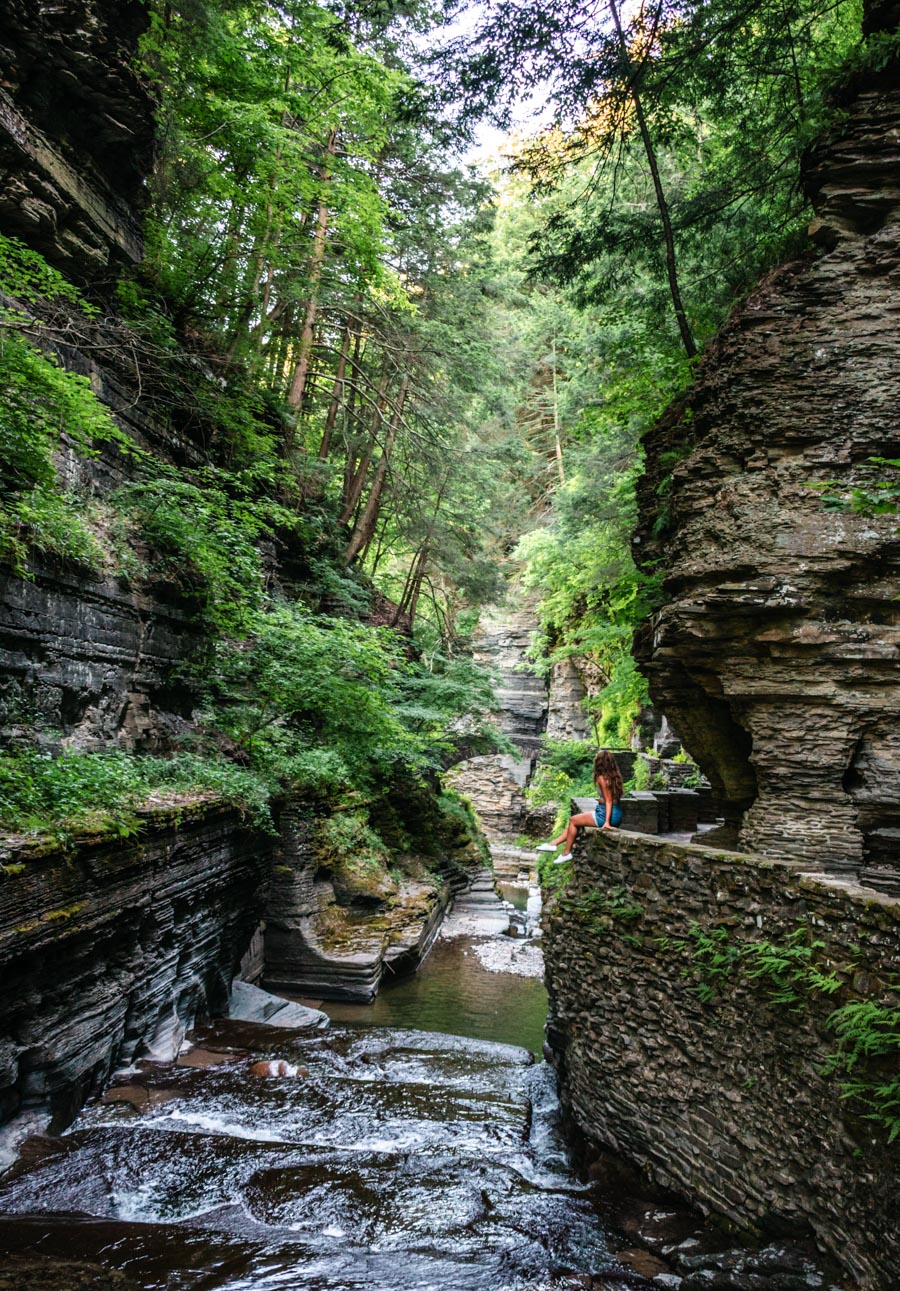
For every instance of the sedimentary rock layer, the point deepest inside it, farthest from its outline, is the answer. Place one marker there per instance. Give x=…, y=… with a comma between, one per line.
x=76, y=130
x=318, y=947
x=495, y=783
x=108, y=951
x=776, y=651
x=725, y=1100
x=92, y=659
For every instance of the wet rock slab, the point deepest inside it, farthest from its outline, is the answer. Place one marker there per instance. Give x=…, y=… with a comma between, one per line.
x=400, y=1159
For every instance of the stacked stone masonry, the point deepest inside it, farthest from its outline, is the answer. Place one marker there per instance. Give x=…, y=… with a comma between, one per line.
x=725, y=1102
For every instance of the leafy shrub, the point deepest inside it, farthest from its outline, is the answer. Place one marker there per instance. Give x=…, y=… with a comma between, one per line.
x=207, y=532
x=641, y=779
x=357, y=858
x=41, y=402
x=40, y=793
x=309, y=700
x=565, y=771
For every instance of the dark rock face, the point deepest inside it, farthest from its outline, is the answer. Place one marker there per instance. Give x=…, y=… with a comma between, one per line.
x=776, y=651
x=109, y=952
x=93, y=660
x=724, y=1101
x=76, y=130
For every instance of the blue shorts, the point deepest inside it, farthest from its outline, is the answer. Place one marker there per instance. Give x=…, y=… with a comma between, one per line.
x=615, y=818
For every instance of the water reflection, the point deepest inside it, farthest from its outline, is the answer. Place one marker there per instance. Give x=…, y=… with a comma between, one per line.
x=455, y=994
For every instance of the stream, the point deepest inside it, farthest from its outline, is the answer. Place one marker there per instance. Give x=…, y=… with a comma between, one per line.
x=412, y=1145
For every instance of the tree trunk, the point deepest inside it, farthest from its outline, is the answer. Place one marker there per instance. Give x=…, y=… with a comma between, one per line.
x=671, y=269
x=556, y=439
x=356, y=478
x=317, y=258
x=366, y=525
x=337, y=390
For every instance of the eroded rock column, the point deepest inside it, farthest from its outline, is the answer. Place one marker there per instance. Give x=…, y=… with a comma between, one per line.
x=776, y=651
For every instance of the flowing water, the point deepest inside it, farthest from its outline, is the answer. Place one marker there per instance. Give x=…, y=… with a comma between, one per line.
x=394, y=1156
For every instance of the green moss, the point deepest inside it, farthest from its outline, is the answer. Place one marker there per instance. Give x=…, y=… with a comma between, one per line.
x=63, y=915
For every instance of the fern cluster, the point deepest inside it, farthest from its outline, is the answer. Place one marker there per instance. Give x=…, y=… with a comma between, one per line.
x=788, y=974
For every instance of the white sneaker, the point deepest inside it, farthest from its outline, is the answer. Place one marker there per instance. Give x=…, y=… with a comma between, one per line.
x=546, y=847
x=559, y=860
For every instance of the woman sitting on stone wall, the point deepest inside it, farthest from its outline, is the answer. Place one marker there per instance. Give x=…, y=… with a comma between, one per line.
x=608, y=813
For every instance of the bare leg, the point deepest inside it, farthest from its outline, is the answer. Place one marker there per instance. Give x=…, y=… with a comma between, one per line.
x=575, y=823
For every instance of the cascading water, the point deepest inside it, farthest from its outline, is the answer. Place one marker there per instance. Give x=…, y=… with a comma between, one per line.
x=394, y=1159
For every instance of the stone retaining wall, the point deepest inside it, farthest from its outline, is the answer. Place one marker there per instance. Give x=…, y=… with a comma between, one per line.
x=724, y=1101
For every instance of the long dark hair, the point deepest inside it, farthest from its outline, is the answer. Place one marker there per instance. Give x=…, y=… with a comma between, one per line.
x=605, y=766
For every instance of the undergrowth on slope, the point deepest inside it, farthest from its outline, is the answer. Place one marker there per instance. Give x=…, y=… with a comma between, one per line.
x=78, y=792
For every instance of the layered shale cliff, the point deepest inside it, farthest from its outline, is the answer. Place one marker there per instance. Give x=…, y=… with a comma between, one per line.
x=776, y=650
x=83, y=652
x=111, y=949
x=698, y=996
x=76, y=132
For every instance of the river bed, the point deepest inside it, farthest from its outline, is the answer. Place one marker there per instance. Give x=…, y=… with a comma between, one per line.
x=411, y=1146
x=476, y=982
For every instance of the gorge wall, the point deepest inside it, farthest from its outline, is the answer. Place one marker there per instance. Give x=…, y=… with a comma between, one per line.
x=111, y=948
x=83, y=652
x=720, y=1093
x=775, y=652
x=76, y=132
x=529, y=707
x=679, y=1041
x=335, y=926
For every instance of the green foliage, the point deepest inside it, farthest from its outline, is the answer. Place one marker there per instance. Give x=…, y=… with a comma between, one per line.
x=786, y=973
x=459, y=822
x=601, y=911
x=868, y=1047
x=310, y=700
x=358, y=860
x=553, y=877
x=564, y=771
x=878, y=495
x=99, y=792
x=446, y=701
x=40, y=403
x=207, y=534
x=349, y=832
x=27, y=277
